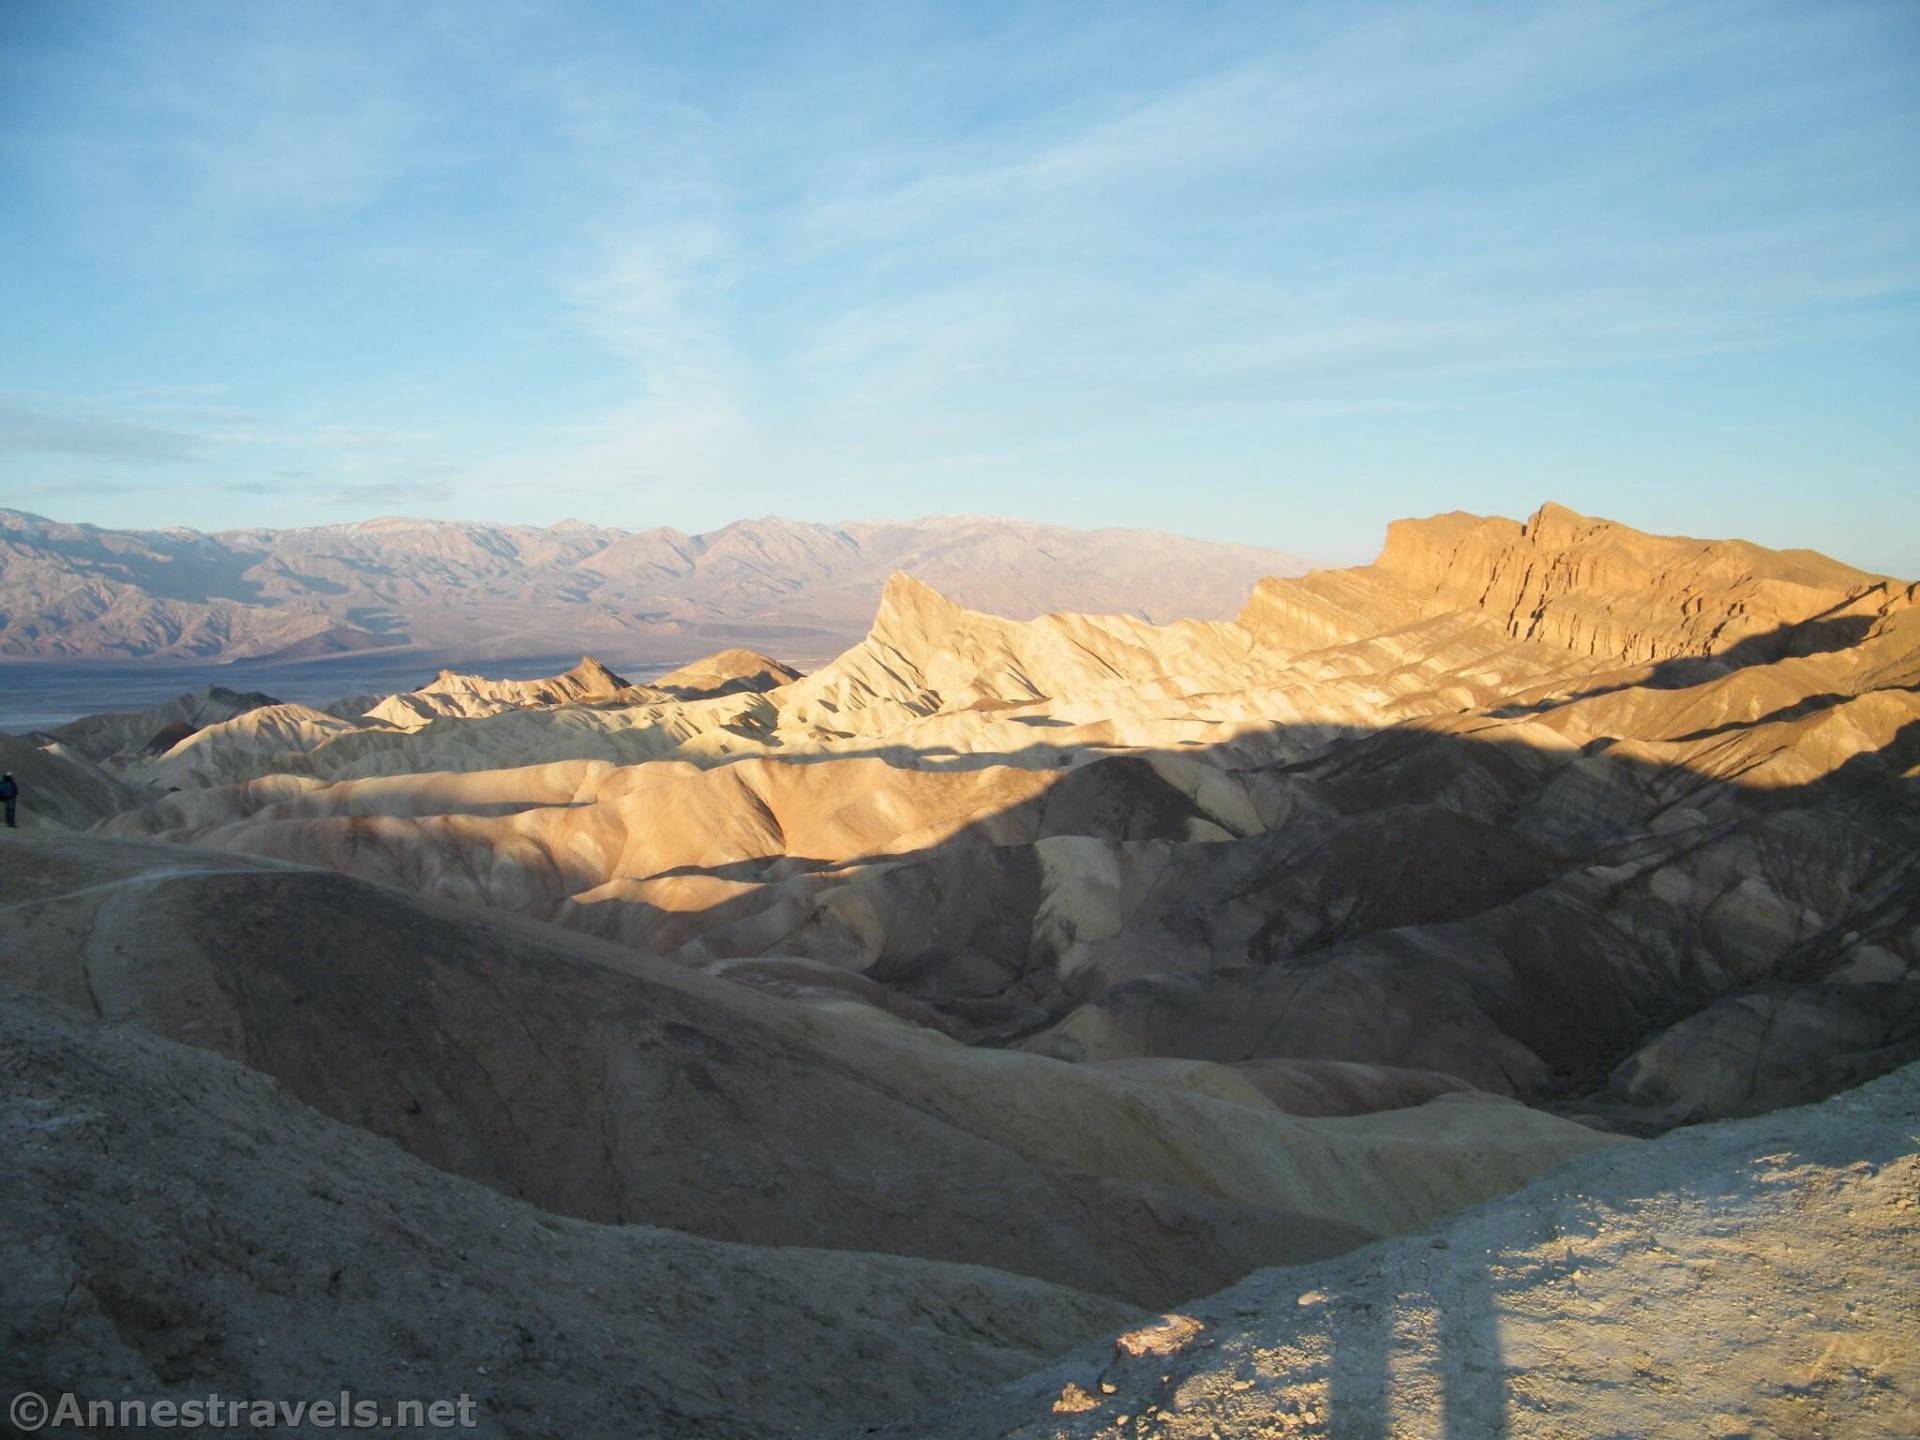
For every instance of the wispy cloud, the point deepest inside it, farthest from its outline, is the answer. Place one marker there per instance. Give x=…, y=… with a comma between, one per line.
x=1354, y=214
x=677, y=271
x=28, y=429
x=68, y=488
x=277, y=115
x=1342, y=219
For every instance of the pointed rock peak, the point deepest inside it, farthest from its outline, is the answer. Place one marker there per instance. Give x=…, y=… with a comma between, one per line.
x=1554, y=510
x=590, y=678
x=724, y=673
x=1555, y=524
x=751, y=659
x=908, y=598
x=913, y=614
x=735, y=662
x=903, y=589
x=591, y=671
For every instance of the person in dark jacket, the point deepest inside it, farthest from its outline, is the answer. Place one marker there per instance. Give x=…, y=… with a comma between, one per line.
x=10, y=793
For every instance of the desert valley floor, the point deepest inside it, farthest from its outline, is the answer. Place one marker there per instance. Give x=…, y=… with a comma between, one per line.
x=1472, y=994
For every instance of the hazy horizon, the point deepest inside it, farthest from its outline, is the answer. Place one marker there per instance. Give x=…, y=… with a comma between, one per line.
x=1271, y=275
x=1317, y=560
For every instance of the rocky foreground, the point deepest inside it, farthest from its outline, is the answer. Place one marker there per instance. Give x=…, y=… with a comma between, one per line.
x=1003, y=984
x=176, y=1224
x=1751, y=1278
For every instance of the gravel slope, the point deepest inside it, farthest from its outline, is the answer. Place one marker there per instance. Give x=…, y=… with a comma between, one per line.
x=174, y=1224
x=1756, y=1278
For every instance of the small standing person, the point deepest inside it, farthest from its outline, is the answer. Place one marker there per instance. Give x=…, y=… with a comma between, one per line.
x=10, y=793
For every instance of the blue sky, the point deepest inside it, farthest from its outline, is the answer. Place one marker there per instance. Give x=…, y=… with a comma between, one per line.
x=1275, y=273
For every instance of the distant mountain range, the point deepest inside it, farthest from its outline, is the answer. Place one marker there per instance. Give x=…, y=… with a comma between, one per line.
x=803, y=591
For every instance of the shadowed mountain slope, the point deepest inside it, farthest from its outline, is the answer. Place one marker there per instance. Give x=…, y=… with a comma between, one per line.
x=128, y=737
x=1510, y=829
x=177, y=1225
x=601, y=1084
x=61, y=787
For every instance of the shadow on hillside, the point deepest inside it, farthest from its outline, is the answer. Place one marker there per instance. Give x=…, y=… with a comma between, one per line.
x=178, y=568
x=1800, y=710
x=1340, y=756
x=1419, y=898
x=1413, y=887
x=1819, y=636
x=1432, y=892
x=1405, y=897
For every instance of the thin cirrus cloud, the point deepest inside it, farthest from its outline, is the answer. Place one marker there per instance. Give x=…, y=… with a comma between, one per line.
x=1293, y=268
x=31, y=430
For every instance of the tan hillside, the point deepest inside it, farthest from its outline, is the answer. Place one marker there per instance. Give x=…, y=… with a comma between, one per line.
x=127, y=737
x=1101, y=839
x=468, y=696
x=1591, y=586
x=722, y=674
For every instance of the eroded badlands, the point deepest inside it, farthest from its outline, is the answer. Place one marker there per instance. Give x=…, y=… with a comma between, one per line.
x=1031, y=976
